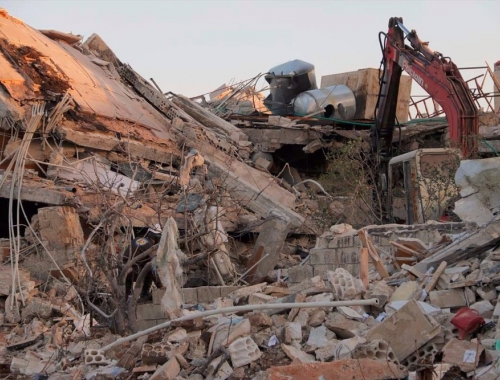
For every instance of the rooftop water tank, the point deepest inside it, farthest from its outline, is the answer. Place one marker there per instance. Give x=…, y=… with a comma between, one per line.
x=334, y=101
x=286, y=81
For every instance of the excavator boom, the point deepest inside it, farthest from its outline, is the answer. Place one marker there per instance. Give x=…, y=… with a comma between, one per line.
x=437, y=75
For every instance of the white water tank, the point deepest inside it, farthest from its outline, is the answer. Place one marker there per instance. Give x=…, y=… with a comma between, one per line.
x=335, y=101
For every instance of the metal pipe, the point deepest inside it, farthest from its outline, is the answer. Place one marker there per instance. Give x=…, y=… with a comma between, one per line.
x=237, y=309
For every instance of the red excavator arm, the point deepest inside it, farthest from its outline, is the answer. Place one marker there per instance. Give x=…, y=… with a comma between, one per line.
x=437, y=75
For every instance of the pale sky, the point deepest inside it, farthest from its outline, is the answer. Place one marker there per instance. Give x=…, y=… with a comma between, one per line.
x=192, y=47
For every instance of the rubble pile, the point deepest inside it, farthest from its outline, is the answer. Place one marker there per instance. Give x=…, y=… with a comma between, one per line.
x=143, y=236
x=416, y=321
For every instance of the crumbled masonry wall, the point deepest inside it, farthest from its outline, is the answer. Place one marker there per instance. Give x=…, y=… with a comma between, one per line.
x=61, y=233
x=333, y=252
x=151, y=314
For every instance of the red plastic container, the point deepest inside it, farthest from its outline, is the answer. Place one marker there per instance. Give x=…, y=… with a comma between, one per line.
x=467, y=320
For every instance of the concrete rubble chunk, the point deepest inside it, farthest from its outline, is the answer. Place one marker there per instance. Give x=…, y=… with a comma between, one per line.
x=318, y=337
x=407, y=291
x=375, y=350
x=243, y=351
x=167, y=371
x=292, y=331
x=448, y=298
x=463, y=354
x=483, y=307
x=344, y=327
x=406, y=330
x=259, y=319
x=382, y=292
x=343, y=284
x=316, y=318
x=480, y=201
x=296, y=355
x=310, y=286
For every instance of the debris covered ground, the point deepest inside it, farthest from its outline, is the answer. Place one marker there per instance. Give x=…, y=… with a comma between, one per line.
x=156, y=237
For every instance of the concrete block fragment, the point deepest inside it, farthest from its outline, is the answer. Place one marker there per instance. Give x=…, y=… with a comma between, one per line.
x=375, y=350
x=487, y=293
x=316, y=318
x=96, y=357
x=317, y=337
x=483, y=307
x=327, y=352
x=292, y=331
x=300, y=273
x=424, y=354
x=227, y=290
x=311, y=285
x=147, y=311
x=260, y=298
x=259, y=319
x=243, y=351
x=405, y=330
x=343, y=284
x=346, y=347
x=176, y=336
x=146, y=324
x=207, y=294
x=302, y=317
x=227, y=333
x=167, y=371
x=344, y=327
x=189, y=296
x=407, y=291
x=448, y=298
x=156, y=353
x=382, y=291
x=455, y=351
x=296, y=355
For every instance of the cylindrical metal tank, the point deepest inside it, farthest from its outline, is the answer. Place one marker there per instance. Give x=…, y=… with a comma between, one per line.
x=336, y=102
x=286, y=81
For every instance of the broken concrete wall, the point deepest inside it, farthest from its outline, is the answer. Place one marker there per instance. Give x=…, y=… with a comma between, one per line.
x=342, y=251
x=480, y=202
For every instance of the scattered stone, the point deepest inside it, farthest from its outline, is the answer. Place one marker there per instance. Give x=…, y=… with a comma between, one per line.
x=297, y=355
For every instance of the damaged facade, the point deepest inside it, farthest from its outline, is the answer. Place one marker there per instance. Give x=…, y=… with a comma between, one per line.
x=154, y=236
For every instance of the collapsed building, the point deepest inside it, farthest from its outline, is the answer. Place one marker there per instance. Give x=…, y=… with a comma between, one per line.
x=105, y=181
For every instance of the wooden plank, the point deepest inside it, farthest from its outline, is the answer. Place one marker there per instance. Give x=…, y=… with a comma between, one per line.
x=377, y=262
x=405, y=249
x=435, y=277
x=363, y=267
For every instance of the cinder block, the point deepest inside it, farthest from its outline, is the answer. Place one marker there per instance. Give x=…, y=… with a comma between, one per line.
x=149, y=311
x=208, y=294
x=96, y=357
x=318, y=256
x=343, y=284
x=376, y=350
x=300, y=273
x=320, y=270
x=155, y=353
x=226, y=290
x=424, y=354
x=243, y=351
x=189, y=295
x=145, y=324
